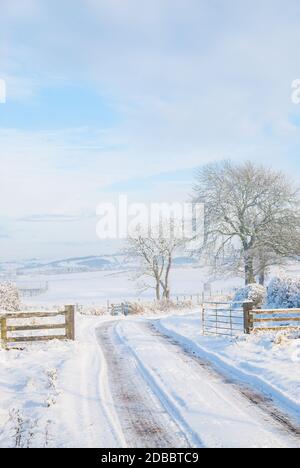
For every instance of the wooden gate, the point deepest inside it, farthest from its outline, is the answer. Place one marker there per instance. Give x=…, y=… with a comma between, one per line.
x=30, y=324
x=120, y=309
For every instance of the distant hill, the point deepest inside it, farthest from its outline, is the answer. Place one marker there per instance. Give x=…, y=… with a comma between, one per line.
x=78, y=264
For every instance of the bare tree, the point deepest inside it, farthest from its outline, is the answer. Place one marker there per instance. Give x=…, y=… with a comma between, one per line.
x=156, y=254
x=277, y=246
x=252, y=216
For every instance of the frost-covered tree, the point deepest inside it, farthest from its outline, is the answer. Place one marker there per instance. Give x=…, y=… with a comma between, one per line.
x=284, y=292
x=253, y=292
x=9, y=297
x=155, y=253
x=252, y=217
x=264, y=259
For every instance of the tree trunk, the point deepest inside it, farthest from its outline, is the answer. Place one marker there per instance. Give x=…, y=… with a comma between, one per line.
x=157, y=289
x=166, y=285
x=249, y=269
x=262, y=278
x=166, y=293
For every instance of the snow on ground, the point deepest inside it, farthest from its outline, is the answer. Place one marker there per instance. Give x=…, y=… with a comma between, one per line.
x=268, y=362
x=58, y=394
x=117, y=286
x=211, y=412
x=55, y=395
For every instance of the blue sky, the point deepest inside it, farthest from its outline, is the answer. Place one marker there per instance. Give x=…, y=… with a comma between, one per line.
x=130, y=96
x=59, y=106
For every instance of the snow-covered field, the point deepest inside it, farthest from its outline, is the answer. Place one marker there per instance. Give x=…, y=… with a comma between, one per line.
x=122, y=383
x=116, y=286
x=95, y=288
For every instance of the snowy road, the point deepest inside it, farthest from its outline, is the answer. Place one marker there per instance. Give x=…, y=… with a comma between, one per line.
x=144, y=421
x=164, y=397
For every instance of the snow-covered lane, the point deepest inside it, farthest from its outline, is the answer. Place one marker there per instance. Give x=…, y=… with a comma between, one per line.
x=210, y=411
x=266, y=362
x=143, y=419
x=86, y=411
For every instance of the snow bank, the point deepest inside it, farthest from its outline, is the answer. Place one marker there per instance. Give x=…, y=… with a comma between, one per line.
x=269, y=362
x=54, y=394
x=96, y=311
x=160, y=307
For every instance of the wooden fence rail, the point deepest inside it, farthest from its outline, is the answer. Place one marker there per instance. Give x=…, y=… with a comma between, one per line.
x=68, y=326
x=278, y=319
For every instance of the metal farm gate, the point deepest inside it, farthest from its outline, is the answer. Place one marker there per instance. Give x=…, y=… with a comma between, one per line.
x=120, y=309
x=223, y=318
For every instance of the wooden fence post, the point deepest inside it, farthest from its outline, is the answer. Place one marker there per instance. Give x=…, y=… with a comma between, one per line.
x=248, y=324
x=70, y=322
x=3, y=330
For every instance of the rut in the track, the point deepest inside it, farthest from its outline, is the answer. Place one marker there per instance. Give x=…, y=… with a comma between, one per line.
x=254, y=398
x=144, y=421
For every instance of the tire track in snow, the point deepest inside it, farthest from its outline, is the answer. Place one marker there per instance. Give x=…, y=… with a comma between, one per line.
x=263, y=402
x=213, y=399
x=85, y=409
x=192, y=438
x=143, y=419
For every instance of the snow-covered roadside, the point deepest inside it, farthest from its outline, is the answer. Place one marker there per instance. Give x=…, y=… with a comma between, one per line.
x=210, y=411
x=268, y=362
x=54, y=395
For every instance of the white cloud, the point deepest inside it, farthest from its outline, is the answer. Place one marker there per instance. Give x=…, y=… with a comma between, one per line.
x=191, y=81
